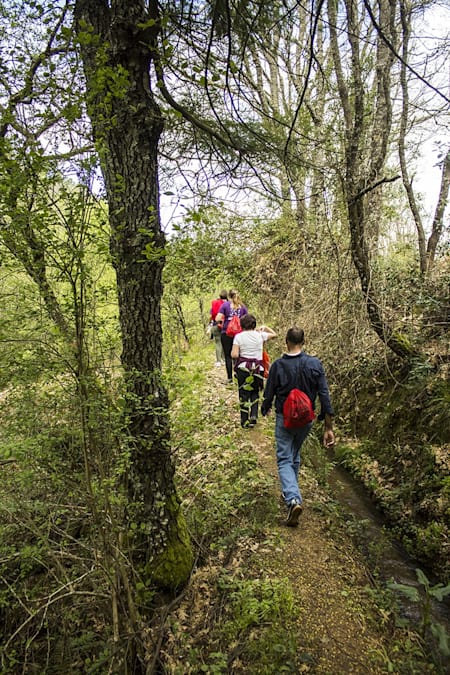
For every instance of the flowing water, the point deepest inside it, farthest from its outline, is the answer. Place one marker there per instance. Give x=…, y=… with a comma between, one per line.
x=392, y=562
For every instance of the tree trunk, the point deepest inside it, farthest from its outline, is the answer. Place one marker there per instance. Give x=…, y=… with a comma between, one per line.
x=427, y=250
x=367, y=120
x=127, y=123
x=405, y=15
x=438, y=220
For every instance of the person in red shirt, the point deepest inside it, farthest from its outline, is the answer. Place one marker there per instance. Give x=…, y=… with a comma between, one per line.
x=216, y=327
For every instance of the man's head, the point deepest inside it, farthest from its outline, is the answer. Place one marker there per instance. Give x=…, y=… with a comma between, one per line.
x=248, y=322
x=295, y=337
x=223, y=295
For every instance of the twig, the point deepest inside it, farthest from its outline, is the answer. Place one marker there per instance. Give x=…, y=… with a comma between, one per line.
x=369, y=188
x=53, y=597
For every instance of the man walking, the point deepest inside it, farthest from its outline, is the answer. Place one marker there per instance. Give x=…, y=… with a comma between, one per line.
x=295, y=370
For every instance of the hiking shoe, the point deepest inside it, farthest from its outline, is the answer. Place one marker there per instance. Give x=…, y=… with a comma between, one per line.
x=294, y=513
x=252, y=421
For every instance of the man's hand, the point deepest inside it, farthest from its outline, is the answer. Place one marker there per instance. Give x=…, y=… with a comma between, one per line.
x=328, y=438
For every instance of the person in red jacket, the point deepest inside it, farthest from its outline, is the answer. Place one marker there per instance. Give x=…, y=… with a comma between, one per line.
x=216, y=327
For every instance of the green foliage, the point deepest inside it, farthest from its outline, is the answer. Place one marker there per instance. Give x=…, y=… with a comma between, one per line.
x=206, y=249
x=400, y=416
x=315, y=456
x=209, y=251
x=61, y=501
x=410, y=486
x=257, y=616
x=424, y=597
x=256, y=601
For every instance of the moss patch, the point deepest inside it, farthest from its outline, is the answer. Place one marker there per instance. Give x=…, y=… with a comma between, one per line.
x=173, y=567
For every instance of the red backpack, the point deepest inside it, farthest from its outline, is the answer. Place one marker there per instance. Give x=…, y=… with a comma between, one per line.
x=297, y=410
x=234, y=326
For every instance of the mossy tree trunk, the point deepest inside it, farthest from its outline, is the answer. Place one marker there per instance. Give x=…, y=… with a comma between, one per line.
x=367, y=110
x=117, y=42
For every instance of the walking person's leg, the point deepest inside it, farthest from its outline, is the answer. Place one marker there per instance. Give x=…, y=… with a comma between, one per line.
x=218, y=345
x=254, y=398
x=220, y=350
x=244, y=396
x=286, y=470
x=288, y=462
x=227, y=344
x=300, y=436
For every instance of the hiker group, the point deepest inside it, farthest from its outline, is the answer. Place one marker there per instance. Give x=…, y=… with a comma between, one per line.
x=293, y=383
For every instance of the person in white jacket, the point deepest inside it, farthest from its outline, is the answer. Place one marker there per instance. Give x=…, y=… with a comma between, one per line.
x=247, y=353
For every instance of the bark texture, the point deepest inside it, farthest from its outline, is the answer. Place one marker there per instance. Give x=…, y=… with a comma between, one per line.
x=118, y=41
x=367, y=113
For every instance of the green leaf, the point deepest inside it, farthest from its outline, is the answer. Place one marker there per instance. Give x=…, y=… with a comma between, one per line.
x=441, y=635
x=440, y=592
x=148, y=24
x=422, y=578
x=409, y=591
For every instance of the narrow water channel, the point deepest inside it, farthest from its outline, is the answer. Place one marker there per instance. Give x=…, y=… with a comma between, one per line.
x=393, y=563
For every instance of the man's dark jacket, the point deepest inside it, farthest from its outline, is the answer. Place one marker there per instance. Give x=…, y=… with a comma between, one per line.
x=300, y=371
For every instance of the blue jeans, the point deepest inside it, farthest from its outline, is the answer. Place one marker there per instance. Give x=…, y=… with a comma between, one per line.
x=289, y=442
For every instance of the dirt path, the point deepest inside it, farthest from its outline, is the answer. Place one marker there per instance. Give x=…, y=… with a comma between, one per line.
x=329, y=581
x=340, y=630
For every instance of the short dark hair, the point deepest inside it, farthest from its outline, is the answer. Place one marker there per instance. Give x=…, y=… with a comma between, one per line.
x=223, y=295
x=248, y=322
x=295, y=335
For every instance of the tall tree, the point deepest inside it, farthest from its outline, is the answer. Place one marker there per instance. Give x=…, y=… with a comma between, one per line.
x=427, y=248
x=118, y=42
x=367, y=110
x=327, y=153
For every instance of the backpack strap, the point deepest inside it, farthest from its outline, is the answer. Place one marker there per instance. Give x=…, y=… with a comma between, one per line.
x=291, y=378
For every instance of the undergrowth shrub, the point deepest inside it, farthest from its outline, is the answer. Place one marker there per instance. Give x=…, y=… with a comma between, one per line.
x=399, y=412
x=59, y=537
x=256, y=617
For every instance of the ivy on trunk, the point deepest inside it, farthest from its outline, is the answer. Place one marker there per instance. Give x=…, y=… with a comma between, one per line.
x=117, y=45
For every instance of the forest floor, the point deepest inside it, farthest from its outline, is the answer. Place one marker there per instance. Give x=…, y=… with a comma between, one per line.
x=338, y=622
x=328, y=578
